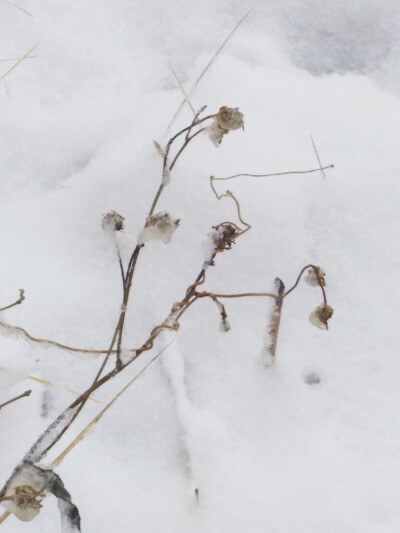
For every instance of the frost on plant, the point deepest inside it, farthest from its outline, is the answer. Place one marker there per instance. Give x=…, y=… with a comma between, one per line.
x=227, y=119
x=112, y=221
x=28, y=485
x=159, y=227
x=315, y=277
x=320, y=316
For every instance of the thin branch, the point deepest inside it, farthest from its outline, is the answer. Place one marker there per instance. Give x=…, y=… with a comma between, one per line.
x=187, y=141
x=26, y=393
x=213, y=178
x=24, y=334
x=196, y=121
x=17, y=302
x=315, y=268
x=239, y=295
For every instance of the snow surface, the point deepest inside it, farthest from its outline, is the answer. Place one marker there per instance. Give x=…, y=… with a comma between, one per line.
x=309, y=445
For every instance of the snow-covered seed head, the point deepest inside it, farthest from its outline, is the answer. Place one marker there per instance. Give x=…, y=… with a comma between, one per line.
x=227, y=119
x=224, y=237
x=112, y=221
x=315, y=277
x=25, y=502
x=159, y=227
x=320, y=316
x=224, y=325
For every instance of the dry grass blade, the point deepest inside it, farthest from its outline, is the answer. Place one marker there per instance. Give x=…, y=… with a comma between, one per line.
x=93, y=422
x=181, y=87
x=18, y=7
x=18, y=62
x=316, y=153
x=15, y=59
x=244, y=175
x=5, y=515
x=55, y=385
x=214, y=57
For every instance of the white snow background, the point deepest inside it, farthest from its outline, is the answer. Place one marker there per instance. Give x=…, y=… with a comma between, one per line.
x=268, y=452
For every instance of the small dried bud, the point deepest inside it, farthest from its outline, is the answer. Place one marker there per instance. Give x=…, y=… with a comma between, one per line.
x=112, y=221
x=224, y=325
x=320, y=316
x=227, y=119
x=159, y=227
x=315, y=277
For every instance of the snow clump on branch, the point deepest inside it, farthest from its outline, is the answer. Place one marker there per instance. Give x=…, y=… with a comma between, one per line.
x=159, y=227
x=227, y=119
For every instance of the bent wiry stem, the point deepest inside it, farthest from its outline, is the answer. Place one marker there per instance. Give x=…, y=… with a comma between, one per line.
x=213, y=178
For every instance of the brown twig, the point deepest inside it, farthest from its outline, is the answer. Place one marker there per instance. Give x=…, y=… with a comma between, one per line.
x=213, y=178
x=17, y=302
x=26, y=393
x=23, y=333
x=315, y=268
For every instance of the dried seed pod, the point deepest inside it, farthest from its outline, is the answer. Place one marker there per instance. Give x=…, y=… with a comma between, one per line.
x=315, y=277
x=159, y=227
x=320, y=316
x=227, y=119
x=112, y=221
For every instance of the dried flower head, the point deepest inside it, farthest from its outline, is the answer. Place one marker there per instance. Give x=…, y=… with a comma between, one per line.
x=227, y=119
x=223, y=237
x=320, y=316
x=315, y=277
x=159, y=227
x=26, y=502
x=112, y=221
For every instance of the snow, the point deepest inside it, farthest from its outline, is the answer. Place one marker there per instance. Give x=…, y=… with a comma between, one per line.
x=305, y=445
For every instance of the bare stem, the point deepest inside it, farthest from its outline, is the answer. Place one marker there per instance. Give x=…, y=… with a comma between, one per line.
x=315, y=268
x=26, y=393
x=17, y=302
x=213, y=178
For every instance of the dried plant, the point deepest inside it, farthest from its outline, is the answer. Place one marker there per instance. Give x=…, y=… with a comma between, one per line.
x=29, y=483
